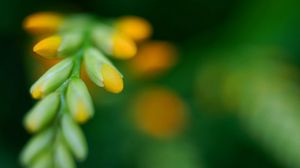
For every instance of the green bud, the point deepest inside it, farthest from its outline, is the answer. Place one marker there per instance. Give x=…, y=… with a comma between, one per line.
x=63, y=158
x=52, y=79
x=44, y=160
x=74, y=137
x=79, y=101
x=102, y=37
x=70, y=42
x=93, y=60
x=42, y=113
x=35, y=146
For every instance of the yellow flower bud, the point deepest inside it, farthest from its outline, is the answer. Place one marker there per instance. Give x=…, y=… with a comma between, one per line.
x=134, y=27
x=123, y=47
x=112, y=79
x=79, y=101
x=102, y=72
x=48, y=47
x=42, y=113
x=70, y=42
x=52, y=79
x=43, y=23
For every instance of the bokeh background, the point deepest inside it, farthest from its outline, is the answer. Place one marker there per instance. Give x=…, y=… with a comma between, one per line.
x=227, y=97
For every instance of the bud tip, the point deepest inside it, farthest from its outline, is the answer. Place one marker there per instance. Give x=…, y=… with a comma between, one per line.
x=112, y=79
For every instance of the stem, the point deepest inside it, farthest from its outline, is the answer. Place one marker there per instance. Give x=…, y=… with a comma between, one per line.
x=75, y=73
x=63, y=108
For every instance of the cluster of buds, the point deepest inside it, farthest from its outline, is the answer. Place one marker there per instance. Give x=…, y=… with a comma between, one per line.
x=64, y=99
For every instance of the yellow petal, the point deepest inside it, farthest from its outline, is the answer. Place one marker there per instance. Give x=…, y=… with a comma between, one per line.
x=123, y=47
x=134, y=27
x=42, y=23
x=36, y=93
x=31, y=126
x=112, y=79
x=48, y=46
x=81, y=115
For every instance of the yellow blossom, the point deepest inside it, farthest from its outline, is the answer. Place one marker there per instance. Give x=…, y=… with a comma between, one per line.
x=134, y=27
x=43, y=23
x=79, y=101
x=112, y=79
x=81, y=114
x=123, y=47
x=48, y=47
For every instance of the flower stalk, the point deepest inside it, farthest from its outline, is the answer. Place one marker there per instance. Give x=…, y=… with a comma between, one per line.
x=64, y=100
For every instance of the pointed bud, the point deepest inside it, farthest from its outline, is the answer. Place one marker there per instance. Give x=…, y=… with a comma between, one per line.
x=48, y=47
x=52, y=79
x=36, y=145
x=43, y=23
x=134, y=27
x=70, y=42
x=44, y=160
x=79, y=101
x=123, y=47
x=102, y=72
x=42, y=113
x=63, y=157
x=112, y=79
x=74, y=138
x=115, y=44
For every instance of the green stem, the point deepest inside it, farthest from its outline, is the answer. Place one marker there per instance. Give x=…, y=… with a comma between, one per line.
x=77, y=58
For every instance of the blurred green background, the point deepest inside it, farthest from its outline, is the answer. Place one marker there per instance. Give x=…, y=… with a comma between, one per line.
x=238, y=74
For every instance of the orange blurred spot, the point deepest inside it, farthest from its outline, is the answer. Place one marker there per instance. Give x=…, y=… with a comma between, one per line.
x=43, y=23
x=159, y=112
x=153, y=58
x=134, y=27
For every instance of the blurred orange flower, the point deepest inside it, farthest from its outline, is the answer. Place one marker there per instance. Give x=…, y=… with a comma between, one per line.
x=153, y=58
x=159, y=112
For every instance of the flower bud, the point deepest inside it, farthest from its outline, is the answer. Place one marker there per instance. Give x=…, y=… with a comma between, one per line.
x=42, y=113
x=74, y=138
x=79, y=101
x=134, y=27
x=115, y=44
x=43, y=23
x=123, y=47
x=63, y=157
x=93, y=60
x=112, y=79
x=48, y=47
x=36, y=145
x=52, y=79
x=102, y=72
x=70, y=42
x=44, y=160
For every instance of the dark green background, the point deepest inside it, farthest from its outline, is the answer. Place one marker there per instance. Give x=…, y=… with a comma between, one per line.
x=195, y=26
